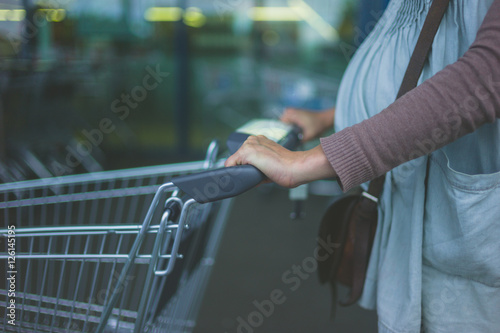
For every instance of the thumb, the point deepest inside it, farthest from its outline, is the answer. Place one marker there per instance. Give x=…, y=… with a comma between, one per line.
x=230, y=161
x=233, y=160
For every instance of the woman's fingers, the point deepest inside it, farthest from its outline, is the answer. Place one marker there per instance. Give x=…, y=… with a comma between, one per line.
x=241, y=156
x=267, y=156
x=280, y=165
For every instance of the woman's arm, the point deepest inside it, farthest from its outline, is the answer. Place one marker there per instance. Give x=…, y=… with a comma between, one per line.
x=454, y=102
x=285, y=167
x=282, y=166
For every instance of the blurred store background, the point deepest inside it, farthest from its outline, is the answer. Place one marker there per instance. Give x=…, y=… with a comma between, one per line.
x=89, y=85
x=70, y=67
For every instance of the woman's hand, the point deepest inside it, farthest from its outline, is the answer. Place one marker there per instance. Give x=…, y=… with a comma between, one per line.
x=313, y=124
x=282, y=166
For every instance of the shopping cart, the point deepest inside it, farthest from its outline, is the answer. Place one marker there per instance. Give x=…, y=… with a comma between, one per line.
x=97, y=252
x=79, y=260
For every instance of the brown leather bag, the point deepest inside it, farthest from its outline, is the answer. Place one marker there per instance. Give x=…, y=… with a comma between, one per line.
x=351, y=220
x=350, y=223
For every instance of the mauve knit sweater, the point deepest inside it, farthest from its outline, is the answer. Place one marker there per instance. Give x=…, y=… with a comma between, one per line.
x=454, y=102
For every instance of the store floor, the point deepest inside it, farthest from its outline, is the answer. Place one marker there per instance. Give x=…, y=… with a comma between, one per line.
x=254, y=268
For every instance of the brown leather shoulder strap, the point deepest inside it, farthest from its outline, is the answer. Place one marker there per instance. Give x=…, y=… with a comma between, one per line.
x=423, y=46
x=416, y=65
x=365, y=214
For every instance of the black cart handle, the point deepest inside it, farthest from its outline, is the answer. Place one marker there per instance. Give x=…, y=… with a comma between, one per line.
x=218, y=184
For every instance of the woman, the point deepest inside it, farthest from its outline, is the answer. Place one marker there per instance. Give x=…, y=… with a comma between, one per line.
x=435, y=263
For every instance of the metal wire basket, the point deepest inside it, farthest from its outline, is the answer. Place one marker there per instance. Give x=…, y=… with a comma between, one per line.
x=92, y=253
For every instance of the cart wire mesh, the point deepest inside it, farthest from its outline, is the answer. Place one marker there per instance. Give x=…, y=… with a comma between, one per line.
x=93, y=252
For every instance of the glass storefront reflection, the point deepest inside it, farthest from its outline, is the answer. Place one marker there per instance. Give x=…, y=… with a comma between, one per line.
x=88, y=85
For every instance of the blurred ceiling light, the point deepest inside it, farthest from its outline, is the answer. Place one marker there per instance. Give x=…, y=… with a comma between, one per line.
x=194, y=17
x=12, y=15
x=273, y=14
x=163, y=14
x=314, y=19
x=54, y=15
x=51, y=15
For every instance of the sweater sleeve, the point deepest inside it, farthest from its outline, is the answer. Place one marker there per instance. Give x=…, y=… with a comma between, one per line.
x=454, y=102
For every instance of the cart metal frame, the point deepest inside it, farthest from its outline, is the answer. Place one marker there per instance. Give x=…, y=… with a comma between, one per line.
x=84, y=263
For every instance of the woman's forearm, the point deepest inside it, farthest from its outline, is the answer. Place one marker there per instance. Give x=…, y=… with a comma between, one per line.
x=312, y=165
x=454, y=102
x=282, y=166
